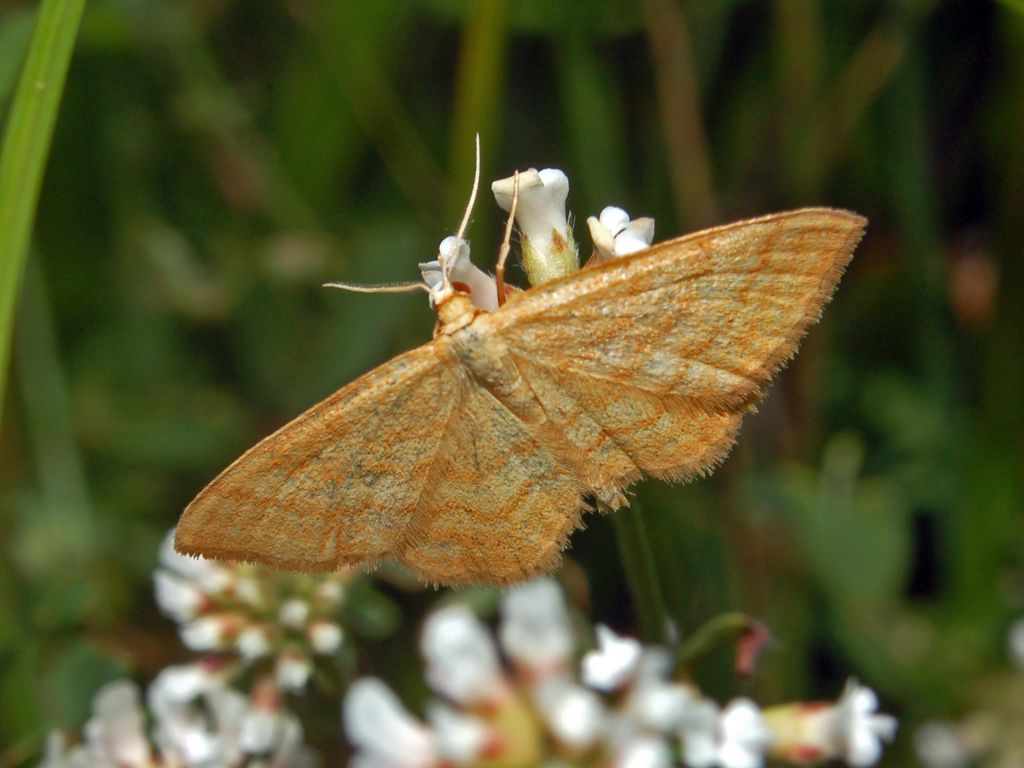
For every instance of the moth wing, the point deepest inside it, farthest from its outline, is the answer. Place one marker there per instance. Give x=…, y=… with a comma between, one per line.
x=621, y=431
x=339, y=484
x=504, y=504
x=707, y=317
x=663, y=351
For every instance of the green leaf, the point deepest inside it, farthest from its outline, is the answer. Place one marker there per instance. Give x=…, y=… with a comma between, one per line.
x=25, y=147
x=852, y=530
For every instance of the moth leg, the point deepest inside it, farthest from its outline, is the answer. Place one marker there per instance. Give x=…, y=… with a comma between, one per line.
x=499, y=268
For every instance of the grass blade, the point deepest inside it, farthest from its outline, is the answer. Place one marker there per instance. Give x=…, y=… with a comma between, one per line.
x=25, y=147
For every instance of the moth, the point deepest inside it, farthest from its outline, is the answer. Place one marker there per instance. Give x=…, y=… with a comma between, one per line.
x=471, y=459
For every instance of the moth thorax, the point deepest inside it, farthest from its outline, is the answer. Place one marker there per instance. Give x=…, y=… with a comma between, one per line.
x=455, y=311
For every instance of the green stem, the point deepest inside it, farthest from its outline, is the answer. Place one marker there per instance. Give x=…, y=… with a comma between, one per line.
x=25, y=147
x=722, y=630
x=641, y=573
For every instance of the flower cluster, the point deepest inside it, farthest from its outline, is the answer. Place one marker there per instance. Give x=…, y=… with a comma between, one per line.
x=549, y=250
x=197, y=721
x=624, y=709
x=281, y=622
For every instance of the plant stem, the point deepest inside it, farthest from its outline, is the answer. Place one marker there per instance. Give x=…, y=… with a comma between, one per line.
x=720, y=631
x=25, y=148
x=641, y=573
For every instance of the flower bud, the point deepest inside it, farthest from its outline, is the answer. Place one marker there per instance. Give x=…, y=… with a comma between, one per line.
x=549, y=250
x=849, y=730
x=615, y=235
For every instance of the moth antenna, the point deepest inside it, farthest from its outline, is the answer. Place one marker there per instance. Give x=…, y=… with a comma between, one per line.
x=472, y=194
x=499, y=268
x=379, y=287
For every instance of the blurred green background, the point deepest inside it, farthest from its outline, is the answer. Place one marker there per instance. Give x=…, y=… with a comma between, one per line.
x=215, y=162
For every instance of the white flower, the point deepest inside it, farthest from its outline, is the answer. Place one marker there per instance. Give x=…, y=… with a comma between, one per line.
x=325, y=637
x=253, y=642
x=58, y=756
x=734, y=738
x=461, y=660
x=259, y=731
x=292, y=670
x=383, y=731
x=460, y=738
x=850, y=729
x=859, y=730
x=115, y=732
x=575, y=716
x=197, y=722
x=177, y=597
x=329, y=593
x=549, y=251
x=179, y=685
x=535, y=630
x=209, y=633
x=653, y=702
x=208, y=575
x=1015, y=642
x=644, y=752
x=614, y=234
x=181, y=732
x=184, y=738
x=613, y=663
x=482, y=288
x=250, y=591
x=293, y=613
x=939, y=746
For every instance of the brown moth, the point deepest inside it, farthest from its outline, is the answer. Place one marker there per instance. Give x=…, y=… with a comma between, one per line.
x=471, y=458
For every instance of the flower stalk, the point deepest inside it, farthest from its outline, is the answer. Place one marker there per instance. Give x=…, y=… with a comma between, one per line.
x=642, y=574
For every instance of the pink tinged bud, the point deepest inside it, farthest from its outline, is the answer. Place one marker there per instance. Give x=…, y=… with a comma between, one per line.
x=292, y=671
x=116, y=731
x=325, y=637
x=614, y=662
x=178, y=598
x=461, y=661
x=381, y=729
x=329, y=593
x=748, y=650
x=535, y=630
